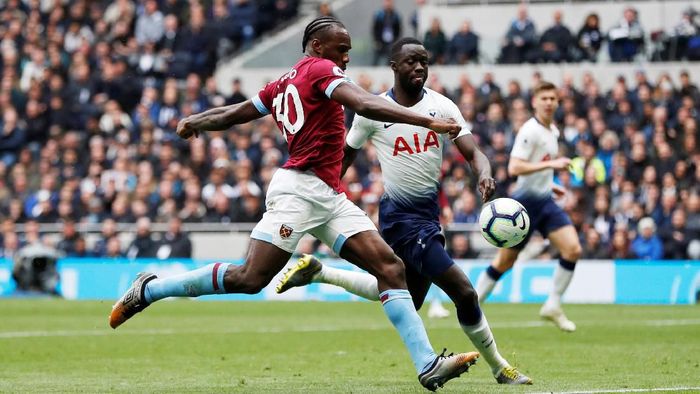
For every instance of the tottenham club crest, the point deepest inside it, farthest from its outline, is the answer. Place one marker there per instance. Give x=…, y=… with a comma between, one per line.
x=286, y=231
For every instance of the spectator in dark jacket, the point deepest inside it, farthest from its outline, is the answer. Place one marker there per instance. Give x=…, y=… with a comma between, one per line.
x=435, y=43
x=464, y=46
x=590, y=38
x=521, y=40
x=12, y=137
x=556, y=42
x=676, y=238
x=175, y=243
x=386, y=29
x=143, y=244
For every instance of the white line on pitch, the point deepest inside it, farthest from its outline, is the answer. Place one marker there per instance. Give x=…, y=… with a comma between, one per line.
x=622, y=390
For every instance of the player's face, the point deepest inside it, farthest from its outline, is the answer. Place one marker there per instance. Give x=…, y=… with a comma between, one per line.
x=411, y=67
x=336, y=46
x=545, y=103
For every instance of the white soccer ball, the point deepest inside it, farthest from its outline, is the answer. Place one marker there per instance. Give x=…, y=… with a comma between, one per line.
x=504, y=222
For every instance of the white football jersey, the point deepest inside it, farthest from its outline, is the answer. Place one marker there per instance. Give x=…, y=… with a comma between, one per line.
x=535, y=143
x=410, y=156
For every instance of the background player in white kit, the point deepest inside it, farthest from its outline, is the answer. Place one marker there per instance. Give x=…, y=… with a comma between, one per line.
x=533, y=160
x=411, y=158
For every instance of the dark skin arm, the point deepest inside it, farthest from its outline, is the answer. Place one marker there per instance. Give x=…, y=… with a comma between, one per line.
x=479, y=163
x=377, y=108
x=349, y=155
x=220, y=118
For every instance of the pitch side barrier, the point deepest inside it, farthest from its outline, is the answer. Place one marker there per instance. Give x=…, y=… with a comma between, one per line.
x=595, y=281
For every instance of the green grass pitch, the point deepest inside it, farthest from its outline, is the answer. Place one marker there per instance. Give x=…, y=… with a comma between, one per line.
x=314, y=347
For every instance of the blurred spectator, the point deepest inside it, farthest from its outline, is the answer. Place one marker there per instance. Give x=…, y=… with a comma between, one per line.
x=149, y=25
x=69, y=237
x=385, y=30
x=590, y=38
x=80, y=248
x=114, y=248
x=464, y=45
x=626, y=38
x=109, y=230
x=143, y=244
x=459, y=247
x=620, y=245
x=12, y=137
x=435, y=43
x=647, y=245
x=174, y=243
x=521, y=40
x=556, y=42
x=465, y=209
x=676, y=237
x=593, y=247
x=685, y=37
x=324, y=9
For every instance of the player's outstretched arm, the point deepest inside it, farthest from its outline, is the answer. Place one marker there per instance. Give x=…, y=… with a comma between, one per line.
x=220, y=118
x=377, y=108
x=479, y=163
x=518, y=166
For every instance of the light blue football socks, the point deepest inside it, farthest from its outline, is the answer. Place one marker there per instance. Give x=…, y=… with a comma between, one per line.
x=206, y=280
x=398, y=306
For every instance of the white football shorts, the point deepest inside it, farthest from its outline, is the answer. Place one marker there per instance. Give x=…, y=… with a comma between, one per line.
x=298, y=203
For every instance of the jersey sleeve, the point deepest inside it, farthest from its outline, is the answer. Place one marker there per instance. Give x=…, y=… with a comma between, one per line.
x=326, y=76
x=524, y=144
x=454, y=113
x=263, y=100
x=361, y=130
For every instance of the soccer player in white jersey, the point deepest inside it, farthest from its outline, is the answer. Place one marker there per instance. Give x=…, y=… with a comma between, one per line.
x=533, y=160
x=411, y=158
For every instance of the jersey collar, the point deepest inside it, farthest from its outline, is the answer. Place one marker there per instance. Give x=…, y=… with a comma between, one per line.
x=391, y=95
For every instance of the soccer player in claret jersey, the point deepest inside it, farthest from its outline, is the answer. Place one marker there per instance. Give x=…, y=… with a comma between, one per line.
x=304, y=196
x=533, y=160
x=411, y=158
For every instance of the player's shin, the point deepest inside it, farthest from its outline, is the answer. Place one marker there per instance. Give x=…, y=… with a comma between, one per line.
x=398, y=306
x=358, y=283
x=487, y=282
x=563, y=273
x=206, y=280
x=481, y=336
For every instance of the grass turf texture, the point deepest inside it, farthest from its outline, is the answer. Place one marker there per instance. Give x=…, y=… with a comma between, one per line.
x=190, y=346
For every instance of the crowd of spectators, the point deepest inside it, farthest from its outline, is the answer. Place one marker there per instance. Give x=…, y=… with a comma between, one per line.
x=523, y=43
x=91, y=92
x=626, y=40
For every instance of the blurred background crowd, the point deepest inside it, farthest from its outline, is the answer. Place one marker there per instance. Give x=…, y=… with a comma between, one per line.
x=91, y=93
x=523, y=41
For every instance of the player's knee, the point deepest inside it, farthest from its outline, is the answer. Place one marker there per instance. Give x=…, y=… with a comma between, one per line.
x=467, y=297
x=391, y=268
x=572, y=252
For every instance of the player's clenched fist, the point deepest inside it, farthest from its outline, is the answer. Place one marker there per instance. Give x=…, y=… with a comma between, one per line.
x=487, y=187
x=445, y=126
x=185, y=130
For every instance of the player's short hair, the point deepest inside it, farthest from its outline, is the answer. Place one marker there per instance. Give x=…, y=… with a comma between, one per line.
x=398, y=45
x=317, y=26
x=543, y=86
